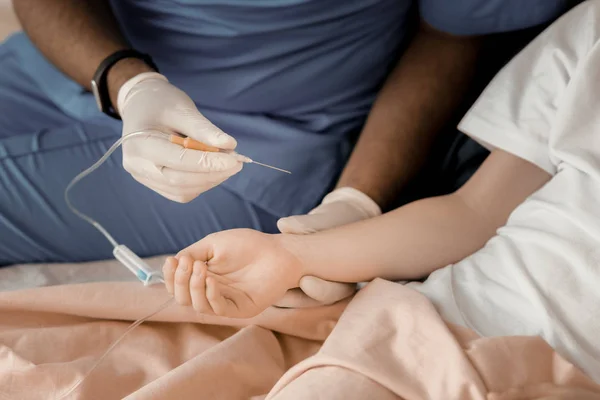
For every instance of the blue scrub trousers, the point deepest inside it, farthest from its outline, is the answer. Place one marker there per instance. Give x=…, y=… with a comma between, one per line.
x=42, y=149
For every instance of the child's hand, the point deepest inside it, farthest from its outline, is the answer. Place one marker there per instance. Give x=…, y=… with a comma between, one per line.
x=237, y=273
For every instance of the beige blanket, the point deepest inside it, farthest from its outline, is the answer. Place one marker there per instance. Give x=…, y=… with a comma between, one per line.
x=389, y=344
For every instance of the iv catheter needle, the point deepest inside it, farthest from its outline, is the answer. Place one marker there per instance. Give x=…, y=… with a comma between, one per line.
x=270, y=166
x=189, y=143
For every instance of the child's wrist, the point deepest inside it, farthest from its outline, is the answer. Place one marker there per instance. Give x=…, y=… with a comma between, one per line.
x=296, y=247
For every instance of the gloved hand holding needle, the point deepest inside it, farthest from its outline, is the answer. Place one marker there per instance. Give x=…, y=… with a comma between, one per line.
x=149, y=101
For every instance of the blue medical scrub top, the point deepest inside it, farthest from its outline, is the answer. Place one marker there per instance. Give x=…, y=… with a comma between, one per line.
x=291, y=80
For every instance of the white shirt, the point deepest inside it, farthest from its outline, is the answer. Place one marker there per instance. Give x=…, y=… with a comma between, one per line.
x=541, y=274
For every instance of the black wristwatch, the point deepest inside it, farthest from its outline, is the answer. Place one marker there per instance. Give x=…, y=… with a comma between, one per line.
x=100, y=83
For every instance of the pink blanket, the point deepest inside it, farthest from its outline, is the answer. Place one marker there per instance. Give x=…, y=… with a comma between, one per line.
x=389, y=343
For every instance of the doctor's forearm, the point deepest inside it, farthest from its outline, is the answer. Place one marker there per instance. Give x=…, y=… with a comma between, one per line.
x=76, y=36
x=418, y=98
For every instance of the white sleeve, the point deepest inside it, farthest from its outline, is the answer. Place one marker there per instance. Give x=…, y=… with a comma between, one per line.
x=517, y=111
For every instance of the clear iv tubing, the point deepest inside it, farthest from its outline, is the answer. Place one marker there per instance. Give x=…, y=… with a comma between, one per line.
x=147, y=276
x=94, y=167
x=112, y=346
x=121, y=252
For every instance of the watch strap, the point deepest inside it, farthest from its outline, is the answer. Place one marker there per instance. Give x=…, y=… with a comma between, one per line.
x=100, y=81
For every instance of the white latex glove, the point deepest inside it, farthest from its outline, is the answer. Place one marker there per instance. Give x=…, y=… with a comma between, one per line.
x=340, y=207
x=149, y=102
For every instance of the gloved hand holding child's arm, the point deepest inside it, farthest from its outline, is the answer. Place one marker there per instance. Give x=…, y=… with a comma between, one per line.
x=239, y=273
x=343, y=206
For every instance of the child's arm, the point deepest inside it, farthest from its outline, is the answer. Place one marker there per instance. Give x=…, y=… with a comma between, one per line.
x=413, y=241
x=242, y=272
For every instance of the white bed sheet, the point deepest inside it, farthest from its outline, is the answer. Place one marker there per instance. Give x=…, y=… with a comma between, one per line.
x=36, y=275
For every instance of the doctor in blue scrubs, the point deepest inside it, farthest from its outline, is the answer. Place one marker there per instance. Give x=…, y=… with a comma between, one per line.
x=348, y=95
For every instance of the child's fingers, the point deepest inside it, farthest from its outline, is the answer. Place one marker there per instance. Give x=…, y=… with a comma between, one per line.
x=182, y=280
x=169, y=268
x=202, y=250
x=228, y=301
x=219, y=278
x=198, y=288
x=214, y=297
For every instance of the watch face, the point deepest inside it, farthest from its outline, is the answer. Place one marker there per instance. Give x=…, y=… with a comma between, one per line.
x=96, y=93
